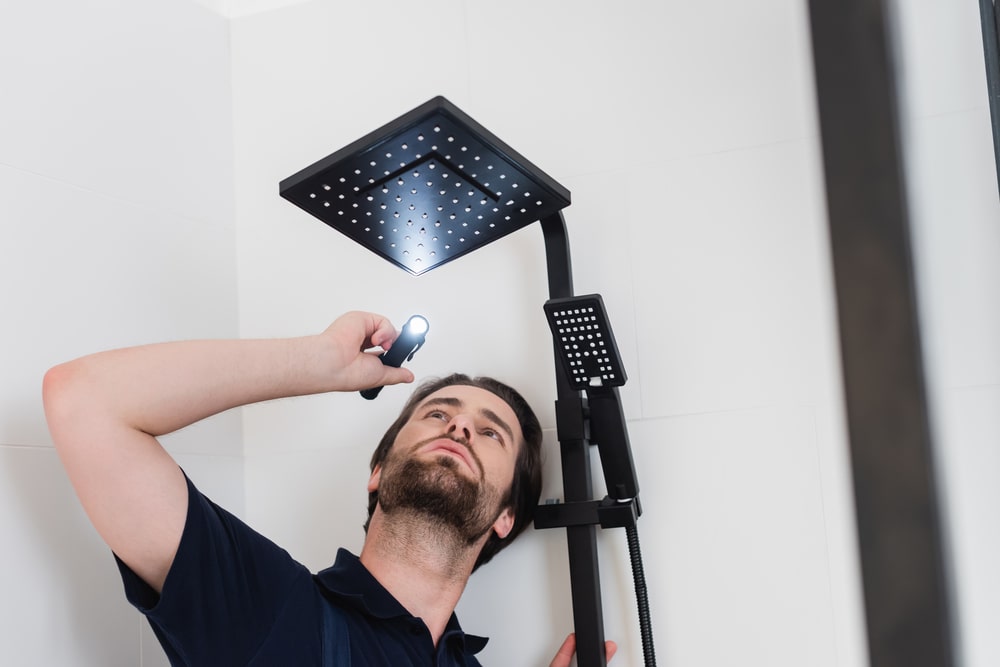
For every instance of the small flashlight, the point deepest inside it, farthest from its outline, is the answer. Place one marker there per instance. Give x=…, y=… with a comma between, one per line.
x=410, y=339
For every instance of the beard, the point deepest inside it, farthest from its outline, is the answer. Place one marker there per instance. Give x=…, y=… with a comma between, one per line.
x=436, y=490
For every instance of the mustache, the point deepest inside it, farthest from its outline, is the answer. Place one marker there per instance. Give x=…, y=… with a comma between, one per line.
x=457, y=441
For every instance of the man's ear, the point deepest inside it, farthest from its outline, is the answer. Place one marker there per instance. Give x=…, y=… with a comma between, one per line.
x=375, y=478
x=504, y=523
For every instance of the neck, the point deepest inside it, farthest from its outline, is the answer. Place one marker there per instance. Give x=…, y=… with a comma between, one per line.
x=422, y=564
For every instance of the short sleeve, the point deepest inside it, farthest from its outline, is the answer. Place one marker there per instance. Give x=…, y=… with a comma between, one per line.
x=225, y=590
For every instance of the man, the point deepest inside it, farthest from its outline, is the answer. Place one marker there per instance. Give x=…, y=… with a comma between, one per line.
x=443, y=490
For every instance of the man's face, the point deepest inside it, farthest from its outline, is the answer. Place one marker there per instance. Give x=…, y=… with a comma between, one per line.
x=454, y=461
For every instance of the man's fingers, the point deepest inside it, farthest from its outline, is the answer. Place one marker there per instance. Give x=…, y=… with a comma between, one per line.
x=565, y=653
x=610, y=648
x=383, y=332
x=396, y=376
x=568, y=650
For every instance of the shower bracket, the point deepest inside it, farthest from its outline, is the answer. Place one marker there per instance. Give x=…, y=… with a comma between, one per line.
x=606, y=513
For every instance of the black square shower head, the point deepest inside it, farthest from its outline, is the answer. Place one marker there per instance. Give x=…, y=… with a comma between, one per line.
x=426, y=188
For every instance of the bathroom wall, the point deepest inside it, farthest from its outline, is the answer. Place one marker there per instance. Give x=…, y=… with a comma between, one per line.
x=116, y=228
x=140, y=153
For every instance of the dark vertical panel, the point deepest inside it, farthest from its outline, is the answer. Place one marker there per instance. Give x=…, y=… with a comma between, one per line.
x=905, y=590
x=991, y=49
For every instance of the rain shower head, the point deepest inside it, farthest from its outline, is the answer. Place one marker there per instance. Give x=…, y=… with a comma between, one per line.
x=426, y=188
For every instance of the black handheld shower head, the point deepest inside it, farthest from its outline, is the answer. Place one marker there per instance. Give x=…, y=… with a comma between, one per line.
x=411, y=338
x=584, y=342
x=586, y=347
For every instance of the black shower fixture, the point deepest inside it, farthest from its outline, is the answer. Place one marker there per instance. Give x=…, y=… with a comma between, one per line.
x=426, y=188
x=433, y=185
x=585, y=344
x=582, y=332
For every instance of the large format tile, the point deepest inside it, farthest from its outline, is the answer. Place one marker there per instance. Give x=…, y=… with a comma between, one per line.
x=63, y=600
x=312, y=77
x=601, y=239
x=85, y=273
x=310, y=503
x=952, y=189
x=707, y=77
x=548, y=80
x=130, y=100
x=967, y=432
x=939, y=57
x=731, y=282
x=735, y=541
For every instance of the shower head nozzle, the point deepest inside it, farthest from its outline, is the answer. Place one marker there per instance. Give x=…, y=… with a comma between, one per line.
x=426, y=188
x=584, y=342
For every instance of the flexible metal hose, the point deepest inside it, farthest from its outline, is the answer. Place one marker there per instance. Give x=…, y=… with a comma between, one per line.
x=641, y=597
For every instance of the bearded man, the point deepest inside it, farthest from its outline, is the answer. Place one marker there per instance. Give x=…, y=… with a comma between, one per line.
x=454, y=480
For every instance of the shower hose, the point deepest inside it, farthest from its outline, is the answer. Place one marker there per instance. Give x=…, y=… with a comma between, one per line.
x=641, y=597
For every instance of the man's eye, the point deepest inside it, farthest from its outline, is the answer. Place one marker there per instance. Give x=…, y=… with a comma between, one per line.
x=490, y=433
x=437, y=414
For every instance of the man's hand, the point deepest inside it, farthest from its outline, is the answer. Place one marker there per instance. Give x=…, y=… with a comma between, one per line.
x=568, y=650
x=350, y=366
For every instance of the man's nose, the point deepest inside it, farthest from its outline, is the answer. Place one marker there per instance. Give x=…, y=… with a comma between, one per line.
x=460, y=427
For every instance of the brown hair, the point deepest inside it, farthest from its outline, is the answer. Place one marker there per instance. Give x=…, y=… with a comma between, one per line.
x=527, y=484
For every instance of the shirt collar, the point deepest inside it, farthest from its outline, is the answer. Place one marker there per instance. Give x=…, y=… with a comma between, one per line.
x=350, y=581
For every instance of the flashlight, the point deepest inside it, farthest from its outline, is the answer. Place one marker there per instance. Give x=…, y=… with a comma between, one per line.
x=410, y=339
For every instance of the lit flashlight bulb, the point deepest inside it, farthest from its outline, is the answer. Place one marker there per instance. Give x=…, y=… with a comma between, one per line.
x=417, y=325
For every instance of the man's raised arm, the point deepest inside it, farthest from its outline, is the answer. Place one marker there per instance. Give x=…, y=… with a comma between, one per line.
x=105, y=410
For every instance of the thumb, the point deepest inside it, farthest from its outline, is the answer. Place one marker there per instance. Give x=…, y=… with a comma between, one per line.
x=392, y=375
x=565, y=653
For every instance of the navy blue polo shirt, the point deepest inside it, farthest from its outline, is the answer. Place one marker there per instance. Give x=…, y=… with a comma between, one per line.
x=233, y=597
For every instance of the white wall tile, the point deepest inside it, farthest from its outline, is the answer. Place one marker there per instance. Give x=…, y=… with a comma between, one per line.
x=131, y=100
x=548, y=65
x=954, y=207
x=734, y=539
x=735, y=545
x=86, y=272
x=63, y=599
x=601, y=239
x=116, y=190
x=708, y=77
x=244, y=7
x=310, y=503
x=732, y=301
x=315, y=76
x=939, y=57
x=968, y=430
